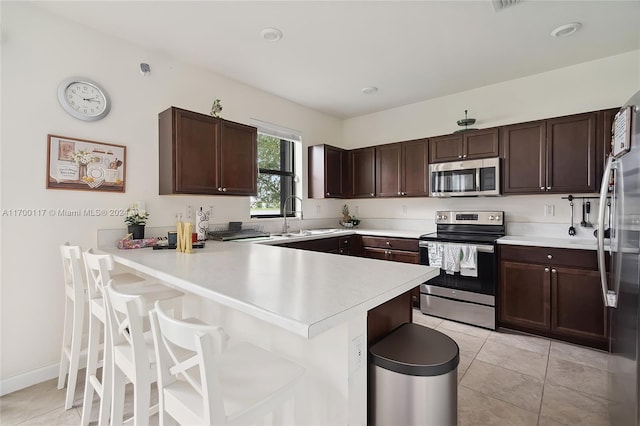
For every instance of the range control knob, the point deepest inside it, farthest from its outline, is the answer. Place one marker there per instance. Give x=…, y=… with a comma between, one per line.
x=490, y=217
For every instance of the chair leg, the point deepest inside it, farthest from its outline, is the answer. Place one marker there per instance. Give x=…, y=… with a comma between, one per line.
x=141, y=400
x=76, y=341
x=95, y=326
x=64, y=360
x=107, y=382
x=117, y=402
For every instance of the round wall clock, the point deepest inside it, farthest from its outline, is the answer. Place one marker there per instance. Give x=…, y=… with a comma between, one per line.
x=84, y=99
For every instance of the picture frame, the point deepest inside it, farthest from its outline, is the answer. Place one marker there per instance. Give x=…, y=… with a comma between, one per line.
x=82, y=164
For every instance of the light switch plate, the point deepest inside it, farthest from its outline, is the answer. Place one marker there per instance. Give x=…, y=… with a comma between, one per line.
x=549, y=209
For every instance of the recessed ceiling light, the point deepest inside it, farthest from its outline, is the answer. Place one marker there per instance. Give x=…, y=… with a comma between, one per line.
x=271, y=34
x=369, y=90
x=566, y=30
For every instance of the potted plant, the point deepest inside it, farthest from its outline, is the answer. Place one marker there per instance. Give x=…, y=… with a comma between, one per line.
x=136, y=219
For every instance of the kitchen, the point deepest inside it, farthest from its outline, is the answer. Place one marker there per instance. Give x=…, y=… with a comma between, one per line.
x=34, y=49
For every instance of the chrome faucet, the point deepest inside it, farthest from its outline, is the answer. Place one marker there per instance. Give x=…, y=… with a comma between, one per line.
x=285, y=225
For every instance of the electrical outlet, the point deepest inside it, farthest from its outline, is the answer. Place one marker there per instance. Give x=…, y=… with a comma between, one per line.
x=357, y=210
x=317, y=208
x=211, y=211
x=188, y=214
x=549, y=209
x=404, y=209
x=357, y=353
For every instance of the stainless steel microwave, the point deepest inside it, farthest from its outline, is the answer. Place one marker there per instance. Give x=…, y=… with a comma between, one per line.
x=465, y=178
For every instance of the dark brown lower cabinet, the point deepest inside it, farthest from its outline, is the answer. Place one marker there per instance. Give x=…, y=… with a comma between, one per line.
x=560, y=298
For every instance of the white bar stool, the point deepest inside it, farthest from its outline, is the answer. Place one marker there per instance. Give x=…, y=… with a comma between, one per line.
x=98, y=268
x=74, y=312
x=200, y=384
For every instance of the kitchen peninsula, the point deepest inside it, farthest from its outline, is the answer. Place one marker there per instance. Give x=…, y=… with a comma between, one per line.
x=310, y=307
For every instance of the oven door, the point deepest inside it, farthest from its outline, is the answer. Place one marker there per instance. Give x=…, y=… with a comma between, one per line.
x=484, y=283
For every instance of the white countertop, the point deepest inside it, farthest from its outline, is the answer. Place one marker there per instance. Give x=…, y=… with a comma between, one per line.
x=301, y=291
x=296, y=236
x=563, y=242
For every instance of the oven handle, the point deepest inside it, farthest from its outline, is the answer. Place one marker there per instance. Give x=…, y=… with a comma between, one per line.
x=481, y=248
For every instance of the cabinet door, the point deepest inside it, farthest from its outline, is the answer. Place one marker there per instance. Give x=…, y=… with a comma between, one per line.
x=524, y=158
x=324, y=245
x=363, y=176
x=603, y=140
x=571, y=153
x=238, y=167
x=524, y=296
x=333, y=172
x=577, y=309
x=445, y=148
x=415, y=168
x=481, y=144
x=388, y=170
x=195, y=152
x=326, y=169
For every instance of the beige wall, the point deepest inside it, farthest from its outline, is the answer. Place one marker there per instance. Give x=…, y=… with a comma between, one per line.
x=591, y=86
x=38, y=51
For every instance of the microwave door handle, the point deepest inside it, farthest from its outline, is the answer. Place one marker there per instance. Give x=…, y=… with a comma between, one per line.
x=478, y=186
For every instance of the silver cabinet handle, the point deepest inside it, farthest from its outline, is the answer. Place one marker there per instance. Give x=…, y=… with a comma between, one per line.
x=546, y=269
x=464, y=156
x=542, y=188
x=549, y=257
x=220, y=188
x=553, y=271
x=548, y=188
x=459, y=156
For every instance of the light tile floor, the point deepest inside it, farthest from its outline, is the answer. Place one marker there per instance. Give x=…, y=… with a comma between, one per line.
x=512, y=379
x=503, y=379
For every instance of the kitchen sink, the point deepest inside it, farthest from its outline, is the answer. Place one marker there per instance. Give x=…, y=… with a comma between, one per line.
x=306, y=232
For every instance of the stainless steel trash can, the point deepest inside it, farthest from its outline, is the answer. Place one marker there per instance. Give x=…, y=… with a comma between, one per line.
x=413, y=378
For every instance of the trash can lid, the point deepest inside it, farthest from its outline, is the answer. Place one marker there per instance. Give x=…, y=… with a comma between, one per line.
x=416, y=350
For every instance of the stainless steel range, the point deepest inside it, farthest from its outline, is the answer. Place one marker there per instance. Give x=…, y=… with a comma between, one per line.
x=464, y=247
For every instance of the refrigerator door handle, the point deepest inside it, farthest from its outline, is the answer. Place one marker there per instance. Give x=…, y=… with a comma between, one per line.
x=610, y=298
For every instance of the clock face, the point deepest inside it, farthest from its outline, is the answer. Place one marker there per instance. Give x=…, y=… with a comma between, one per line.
x=83, y=99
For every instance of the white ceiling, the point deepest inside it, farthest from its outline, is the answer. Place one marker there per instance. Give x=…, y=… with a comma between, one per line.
x=410, y=50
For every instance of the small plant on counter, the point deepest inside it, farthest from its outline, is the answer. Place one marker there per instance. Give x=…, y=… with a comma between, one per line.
x=345, y=214
x=136, y=216
x=348, y=221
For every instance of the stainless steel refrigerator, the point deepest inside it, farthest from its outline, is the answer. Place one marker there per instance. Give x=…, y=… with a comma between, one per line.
x=621, y=285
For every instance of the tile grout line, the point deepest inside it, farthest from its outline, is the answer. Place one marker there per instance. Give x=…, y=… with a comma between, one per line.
x=544, y=382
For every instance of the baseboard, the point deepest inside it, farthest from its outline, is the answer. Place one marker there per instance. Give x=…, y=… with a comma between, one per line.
x=29, y=378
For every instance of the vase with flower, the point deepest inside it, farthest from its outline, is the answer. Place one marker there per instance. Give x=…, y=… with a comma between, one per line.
x=136, y=220
x=82, y=159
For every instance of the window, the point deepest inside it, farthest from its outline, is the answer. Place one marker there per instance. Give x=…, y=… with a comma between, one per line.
x=276, y=177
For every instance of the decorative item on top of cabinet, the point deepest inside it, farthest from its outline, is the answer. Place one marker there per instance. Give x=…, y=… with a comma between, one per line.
x=551, y=156
x=401, y=169
x=553, y=292
x=200, y=154
x=327, y=171
x=474, y=144
x=362, y=162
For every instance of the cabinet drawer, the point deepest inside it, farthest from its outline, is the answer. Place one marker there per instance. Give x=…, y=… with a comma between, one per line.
x=392, y=255
x=407, y=244
x=585, y=259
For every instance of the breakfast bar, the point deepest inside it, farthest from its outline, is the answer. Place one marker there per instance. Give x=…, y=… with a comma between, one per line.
x=310, y=307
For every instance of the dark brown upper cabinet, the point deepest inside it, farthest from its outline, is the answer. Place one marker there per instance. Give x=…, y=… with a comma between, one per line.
x=469, y=145
x=551, y=156
x=362, y=172
x=327, y=171
x=200, y=154
x=603, y=141
x=401, y=169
